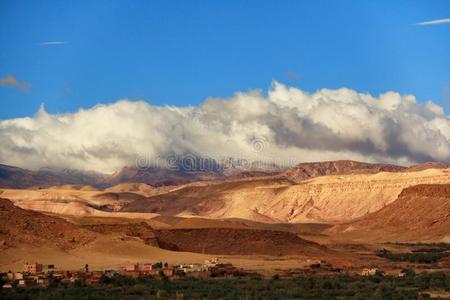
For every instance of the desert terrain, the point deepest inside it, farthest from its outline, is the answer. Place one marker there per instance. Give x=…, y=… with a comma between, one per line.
x=335, y=213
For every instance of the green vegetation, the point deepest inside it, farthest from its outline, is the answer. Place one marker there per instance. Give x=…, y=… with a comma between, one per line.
x=425, y=247
x=305, y=287
x=423, y=257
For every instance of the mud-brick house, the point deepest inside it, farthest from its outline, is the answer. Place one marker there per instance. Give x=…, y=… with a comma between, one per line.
x=33, y=268
x=147, y=267
x=132, y=268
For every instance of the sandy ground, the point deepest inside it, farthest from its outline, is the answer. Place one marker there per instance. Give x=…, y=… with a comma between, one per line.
x=114, y=252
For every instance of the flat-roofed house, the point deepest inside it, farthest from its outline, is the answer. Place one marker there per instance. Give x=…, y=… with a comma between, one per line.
x=33, y=268
x=147, y=267
x=132, y=267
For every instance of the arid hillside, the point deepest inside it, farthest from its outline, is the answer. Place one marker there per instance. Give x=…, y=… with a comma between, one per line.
x=232, y=241
x=19, y=226
x=13, y=177
x=357, y=189
x=305, y=171
x=159, y=176
x=324, y=199
x=78, y=201
x=421, y=213
x=140, y=230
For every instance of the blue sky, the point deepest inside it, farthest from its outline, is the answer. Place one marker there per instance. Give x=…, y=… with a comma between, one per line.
x=180, y=52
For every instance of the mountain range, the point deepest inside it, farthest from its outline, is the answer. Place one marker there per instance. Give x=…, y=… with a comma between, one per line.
x=15, y=177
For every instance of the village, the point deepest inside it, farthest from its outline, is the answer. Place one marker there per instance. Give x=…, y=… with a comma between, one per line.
x=37, y=274
x=40, y=275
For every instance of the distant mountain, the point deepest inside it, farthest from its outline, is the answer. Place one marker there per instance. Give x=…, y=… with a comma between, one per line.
x=231, y=169
x=159, y=176
x=193, y=169
x=428, y=165
x=14, y=177
x=305, y=171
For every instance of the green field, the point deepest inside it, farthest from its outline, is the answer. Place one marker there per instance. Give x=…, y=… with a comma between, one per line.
x=306, y=287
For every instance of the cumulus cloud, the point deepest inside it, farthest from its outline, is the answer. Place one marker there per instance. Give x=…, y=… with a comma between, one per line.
x=285, y=127
x=11, y=81
x=435, y=22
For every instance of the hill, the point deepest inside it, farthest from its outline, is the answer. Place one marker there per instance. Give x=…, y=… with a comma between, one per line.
x=13, y=177
x=324, y=199
x=421, y=213
x=159, y=176
x=19, y=226
x=305, y=171
x=233, y=241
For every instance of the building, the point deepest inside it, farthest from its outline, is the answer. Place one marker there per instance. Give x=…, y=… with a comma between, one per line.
x=10, y=276
x=147, y=267
x=188, y=268
x=33, y=268
x=370, y=272
x=132, y=268
x=212, y=262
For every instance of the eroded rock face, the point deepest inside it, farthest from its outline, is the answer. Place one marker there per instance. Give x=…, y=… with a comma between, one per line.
x=19, y=226
x=269, y=199
x=421, y=213
x=305, y=171
x=325, y=199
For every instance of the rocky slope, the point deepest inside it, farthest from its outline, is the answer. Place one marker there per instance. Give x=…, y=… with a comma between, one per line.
x=215, y=240
x=19, y=226
x=324, y=199
x=13, y=177
x=140, y=230
x=421, y=213
x=305, y=171
x=74, y=202
x=271, y=199
x=234, y=241
x=428, y=165
x=159, y=176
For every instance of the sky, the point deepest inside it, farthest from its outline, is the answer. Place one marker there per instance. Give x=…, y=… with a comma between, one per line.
x=72, y=54
x=97, y=85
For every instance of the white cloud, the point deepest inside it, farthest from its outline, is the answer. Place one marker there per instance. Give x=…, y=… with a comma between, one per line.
x=50, y=43
x=435, y=22
x=293, y=125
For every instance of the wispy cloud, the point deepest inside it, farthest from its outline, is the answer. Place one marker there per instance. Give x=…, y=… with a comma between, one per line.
x=435, y=22
x=50, y=43
x=11, y=81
